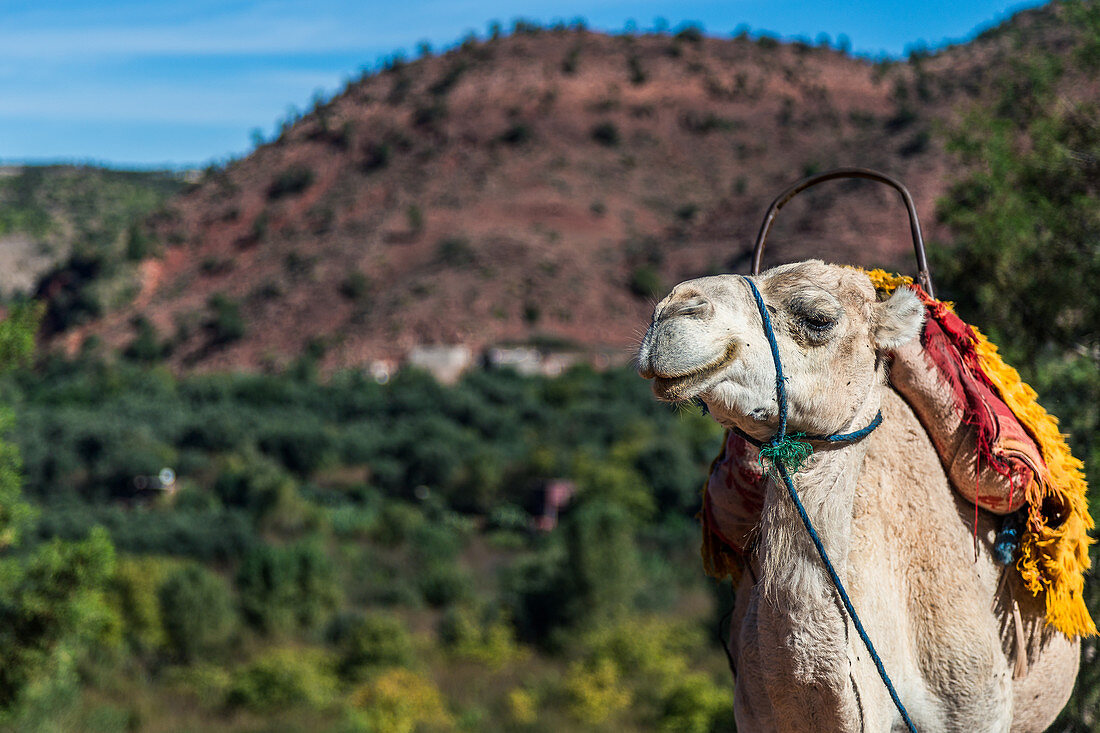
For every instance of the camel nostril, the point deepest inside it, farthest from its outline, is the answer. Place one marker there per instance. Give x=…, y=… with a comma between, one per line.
x=696, y=307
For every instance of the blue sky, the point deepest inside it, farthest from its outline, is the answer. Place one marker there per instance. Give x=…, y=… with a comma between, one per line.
x=144, y=83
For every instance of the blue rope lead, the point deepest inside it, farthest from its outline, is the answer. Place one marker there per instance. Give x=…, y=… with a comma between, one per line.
x=781, y=449
x=844, y=596
x=780, y=389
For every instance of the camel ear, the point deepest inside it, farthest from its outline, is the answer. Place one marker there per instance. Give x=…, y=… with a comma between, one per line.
x=898, y=320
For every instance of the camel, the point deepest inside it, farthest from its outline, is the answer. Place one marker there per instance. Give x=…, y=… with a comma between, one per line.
x=901, y=539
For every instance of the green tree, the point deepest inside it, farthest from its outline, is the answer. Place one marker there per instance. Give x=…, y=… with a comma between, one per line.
x=197, y=611
x=284, y=588
x=54, y=611
x=1026, y=225
x=53, y=608
x=366, y=642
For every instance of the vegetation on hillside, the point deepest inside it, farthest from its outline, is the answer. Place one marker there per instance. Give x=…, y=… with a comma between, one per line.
x=331, y=548
x=85, y=227
x=64, y=204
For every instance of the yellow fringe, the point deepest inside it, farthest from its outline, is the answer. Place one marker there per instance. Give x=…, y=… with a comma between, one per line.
x=886, y=281
x=1053, y=559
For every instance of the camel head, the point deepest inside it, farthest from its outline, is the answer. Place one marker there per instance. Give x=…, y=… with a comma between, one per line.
x=707, y=341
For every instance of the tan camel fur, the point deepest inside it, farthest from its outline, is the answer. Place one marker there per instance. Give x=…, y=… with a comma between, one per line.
x=900, y=537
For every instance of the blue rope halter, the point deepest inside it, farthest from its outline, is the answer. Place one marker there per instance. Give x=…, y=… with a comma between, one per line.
x=786, y=453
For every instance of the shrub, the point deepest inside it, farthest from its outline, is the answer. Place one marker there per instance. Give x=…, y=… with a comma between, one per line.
x=691, y=33
x=455, y=252
x=54, y=613
x=517, y=134
x=490, y=641
x=601, y=562
x=260, y=225
x=537, y=594
x=429, y=115
x=225, y=324
x=606, y=133
x=366, y=642
x=695, y=704
x=443, y=85
x=302, y=445
x=283, y=588
x=283, y=678
x=197, y=611
x=146, y=346
x=400, y=701
x=444, y=584
x=415, y=218
x=700, y=123
x=138, y=243
x=594, y=691
x=376, y=156
x=523, y=706
x=214, y=428
x=646, y=647
x=291, y=182
x=203, y=535
x=687, y=212
x=260, y=485
x=356, y=286
x=916, y=145
x=396, y=522
x=509, y=517
x=569, y=63
x=135, y=593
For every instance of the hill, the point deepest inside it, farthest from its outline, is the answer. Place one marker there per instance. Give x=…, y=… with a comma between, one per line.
x=50, y=213
x=544, y=186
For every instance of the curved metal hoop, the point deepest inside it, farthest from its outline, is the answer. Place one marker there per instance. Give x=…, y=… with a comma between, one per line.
x=924, y=278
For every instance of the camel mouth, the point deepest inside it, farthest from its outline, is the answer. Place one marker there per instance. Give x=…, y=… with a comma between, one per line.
x=683, y=387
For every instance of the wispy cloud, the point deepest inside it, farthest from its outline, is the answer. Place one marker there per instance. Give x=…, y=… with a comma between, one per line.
x=243, y=29
x=71, y=69
x=238, y=102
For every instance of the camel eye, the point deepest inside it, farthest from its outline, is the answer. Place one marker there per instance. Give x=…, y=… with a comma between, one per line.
x=818, y=322
x=815, y=314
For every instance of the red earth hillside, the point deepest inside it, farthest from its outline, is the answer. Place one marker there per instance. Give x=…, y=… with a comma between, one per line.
x=545, y=186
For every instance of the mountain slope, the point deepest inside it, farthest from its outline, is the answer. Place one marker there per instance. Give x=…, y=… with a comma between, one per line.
x=548, y=185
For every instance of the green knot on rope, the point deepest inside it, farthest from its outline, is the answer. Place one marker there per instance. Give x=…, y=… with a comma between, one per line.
x=790, y=452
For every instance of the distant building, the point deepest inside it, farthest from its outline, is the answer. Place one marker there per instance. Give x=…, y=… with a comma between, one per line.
x=523, y=359
x=445, y=363
x=530, y=361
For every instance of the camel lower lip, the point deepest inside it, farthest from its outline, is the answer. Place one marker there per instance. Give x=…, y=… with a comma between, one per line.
x=681, y=388
x=669, y=387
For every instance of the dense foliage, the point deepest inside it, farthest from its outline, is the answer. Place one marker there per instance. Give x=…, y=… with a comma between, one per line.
x=327, y=542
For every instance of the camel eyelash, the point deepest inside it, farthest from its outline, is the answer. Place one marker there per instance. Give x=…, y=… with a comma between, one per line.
x=819, y=322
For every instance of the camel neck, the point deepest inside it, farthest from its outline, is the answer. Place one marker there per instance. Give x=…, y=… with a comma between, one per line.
x=797, y=608
x=826, y=483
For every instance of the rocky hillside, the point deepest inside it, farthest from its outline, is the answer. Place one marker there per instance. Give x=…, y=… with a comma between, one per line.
x=48, y=214
x=544, y=187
